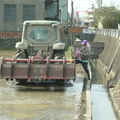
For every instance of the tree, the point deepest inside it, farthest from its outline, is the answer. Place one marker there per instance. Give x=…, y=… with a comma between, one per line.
x=109, y=17
x=99, y=3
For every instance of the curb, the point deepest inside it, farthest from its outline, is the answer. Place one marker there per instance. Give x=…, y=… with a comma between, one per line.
x=88, y=98
x=88, y=101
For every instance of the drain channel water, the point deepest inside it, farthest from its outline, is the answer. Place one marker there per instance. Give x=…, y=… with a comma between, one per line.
x=101, y=105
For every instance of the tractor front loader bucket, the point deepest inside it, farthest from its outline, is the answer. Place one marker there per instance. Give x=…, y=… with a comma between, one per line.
x=37, y=68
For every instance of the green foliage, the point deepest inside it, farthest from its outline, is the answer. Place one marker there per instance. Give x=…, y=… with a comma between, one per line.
x=69, y=52
x=77, y=36
x=11, y=49
x=109, y=17
x=96, y=26
x=111, y=23
x=119, y=19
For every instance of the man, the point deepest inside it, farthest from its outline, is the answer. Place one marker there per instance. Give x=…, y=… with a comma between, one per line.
x=85, y=55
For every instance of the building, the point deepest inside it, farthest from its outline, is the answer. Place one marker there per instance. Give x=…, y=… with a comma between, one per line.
x=14, y=12
x=89, y=18
x=64, y=12
x=57, y=9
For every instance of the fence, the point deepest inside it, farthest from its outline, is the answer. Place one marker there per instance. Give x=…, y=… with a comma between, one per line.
x=8, y=43
x=109, y=32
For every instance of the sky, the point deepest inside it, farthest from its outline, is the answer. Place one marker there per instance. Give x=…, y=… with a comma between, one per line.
x=83, y=5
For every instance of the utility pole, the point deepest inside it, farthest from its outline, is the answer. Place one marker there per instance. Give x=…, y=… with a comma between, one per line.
x=93, y=7
x=101, y=3
x=71, y=13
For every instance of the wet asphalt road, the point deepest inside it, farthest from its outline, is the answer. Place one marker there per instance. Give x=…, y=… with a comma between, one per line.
x=44, y=101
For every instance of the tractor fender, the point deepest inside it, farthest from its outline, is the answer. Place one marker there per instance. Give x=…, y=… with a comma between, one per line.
x=21, y=45
x=58, y=46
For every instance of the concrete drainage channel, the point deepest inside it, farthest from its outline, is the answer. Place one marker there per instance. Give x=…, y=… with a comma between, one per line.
x=101, y=104
x=96, y=104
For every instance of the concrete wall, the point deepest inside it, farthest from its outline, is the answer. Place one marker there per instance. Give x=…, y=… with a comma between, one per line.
x=13, y=25
x=74, y=29
x=108, y=61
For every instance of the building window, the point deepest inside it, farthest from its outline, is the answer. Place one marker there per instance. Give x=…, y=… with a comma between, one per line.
x=90, y=13
x=29, y=12
x=10, y=12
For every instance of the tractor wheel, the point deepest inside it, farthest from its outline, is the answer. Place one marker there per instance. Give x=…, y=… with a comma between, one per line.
x=21, y=81
x=60, y=82
x=21, y=55
x=59, y=55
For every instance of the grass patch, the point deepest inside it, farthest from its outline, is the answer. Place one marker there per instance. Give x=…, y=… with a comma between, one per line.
x=12, y=49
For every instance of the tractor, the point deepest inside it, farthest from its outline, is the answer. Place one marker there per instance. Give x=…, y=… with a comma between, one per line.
x=40, y=55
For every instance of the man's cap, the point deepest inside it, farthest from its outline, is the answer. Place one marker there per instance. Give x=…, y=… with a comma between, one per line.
x=84, y=42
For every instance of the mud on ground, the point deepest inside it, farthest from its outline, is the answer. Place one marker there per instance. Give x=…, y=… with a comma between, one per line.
x=79, y=72
x=7, y=54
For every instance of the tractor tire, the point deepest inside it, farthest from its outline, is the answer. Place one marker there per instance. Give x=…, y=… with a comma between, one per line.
x=21, y=81
x=59, y=55
x=21, y=55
